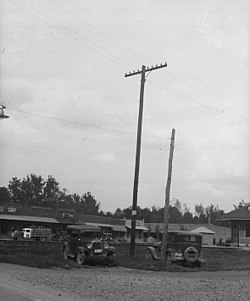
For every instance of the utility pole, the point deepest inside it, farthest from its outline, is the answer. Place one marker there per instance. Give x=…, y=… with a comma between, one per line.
x=143, y=71
x=167, y=197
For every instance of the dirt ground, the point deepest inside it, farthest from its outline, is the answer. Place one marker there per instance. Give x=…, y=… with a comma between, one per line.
x=101, y=283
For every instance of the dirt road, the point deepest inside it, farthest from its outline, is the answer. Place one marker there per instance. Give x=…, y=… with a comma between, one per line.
x=100, y=283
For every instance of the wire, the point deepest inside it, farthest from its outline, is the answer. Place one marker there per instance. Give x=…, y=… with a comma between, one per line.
x=85, y=125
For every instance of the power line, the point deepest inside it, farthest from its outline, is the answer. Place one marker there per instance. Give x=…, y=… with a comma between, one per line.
x=85, y=125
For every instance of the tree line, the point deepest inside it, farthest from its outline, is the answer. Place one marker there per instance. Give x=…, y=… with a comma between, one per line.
x=33, y=190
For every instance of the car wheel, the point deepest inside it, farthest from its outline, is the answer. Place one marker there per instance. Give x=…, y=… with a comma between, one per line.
x=191, y=254
x=65, y=253
x=80, y=257
x=149, y=255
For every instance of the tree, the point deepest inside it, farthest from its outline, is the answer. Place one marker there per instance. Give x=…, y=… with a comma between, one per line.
x=187, y=218
x=175, y=215
x=241, y=203
x=15, y=189
x=118, y=214
x=89, y=205
x=213, y=213
x=4, y=195
x=51, y=193
x=32, y=190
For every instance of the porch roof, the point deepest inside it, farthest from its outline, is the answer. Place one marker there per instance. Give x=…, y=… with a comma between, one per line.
x=138, y=228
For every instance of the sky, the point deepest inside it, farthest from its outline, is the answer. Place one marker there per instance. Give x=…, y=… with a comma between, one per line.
x=74, y=115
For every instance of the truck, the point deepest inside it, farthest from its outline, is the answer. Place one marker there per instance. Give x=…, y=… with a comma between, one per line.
x=37, y=233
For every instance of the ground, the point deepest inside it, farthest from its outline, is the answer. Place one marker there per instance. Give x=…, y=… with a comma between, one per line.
x=102, y=283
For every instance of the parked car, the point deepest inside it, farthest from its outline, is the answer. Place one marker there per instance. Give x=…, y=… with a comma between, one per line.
x=182, y=246
x=83, y=244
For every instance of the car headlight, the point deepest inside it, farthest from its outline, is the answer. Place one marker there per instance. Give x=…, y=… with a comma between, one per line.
x=89, y=245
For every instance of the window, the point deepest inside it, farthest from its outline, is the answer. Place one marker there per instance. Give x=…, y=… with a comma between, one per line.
x=247, y=230
x=190, y=238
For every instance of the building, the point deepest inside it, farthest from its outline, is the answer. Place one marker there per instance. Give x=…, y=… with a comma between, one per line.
x=11, y=222
x=240, y=224
x=58, y=220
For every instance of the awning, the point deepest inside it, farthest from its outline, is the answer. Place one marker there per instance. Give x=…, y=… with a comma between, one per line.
x=85, y=228
x=28, y=218
x=100, y=225
x=119, y=228
x=139, y=228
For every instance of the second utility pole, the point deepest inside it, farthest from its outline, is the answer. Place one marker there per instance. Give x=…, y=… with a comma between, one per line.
x=138, y=151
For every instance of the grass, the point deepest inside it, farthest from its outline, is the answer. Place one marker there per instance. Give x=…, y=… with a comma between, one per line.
x=49, y=255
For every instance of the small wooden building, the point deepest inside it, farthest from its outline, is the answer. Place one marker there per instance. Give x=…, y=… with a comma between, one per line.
x=240, y=224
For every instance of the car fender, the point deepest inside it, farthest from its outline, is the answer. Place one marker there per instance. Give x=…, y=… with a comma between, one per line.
x=82, y=249
x=111, y=249
x=153, y=252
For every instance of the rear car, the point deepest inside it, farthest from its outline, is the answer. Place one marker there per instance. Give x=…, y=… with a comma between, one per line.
x=182, y=247
x=83, y=244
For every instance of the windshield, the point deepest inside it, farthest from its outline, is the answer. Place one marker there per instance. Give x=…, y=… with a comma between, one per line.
x=90, y=235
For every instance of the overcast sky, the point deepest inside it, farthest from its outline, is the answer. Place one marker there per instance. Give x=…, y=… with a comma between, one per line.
x=73, y=114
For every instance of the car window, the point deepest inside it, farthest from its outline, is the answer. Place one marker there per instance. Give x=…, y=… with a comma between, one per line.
x=190, y=238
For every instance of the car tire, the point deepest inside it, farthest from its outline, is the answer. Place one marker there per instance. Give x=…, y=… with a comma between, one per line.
x=80, y=257
x=149, y=255
x=194, y=254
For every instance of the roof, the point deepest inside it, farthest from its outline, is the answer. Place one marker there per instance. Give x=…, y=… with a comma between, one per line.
x=87, y=228
x=28, y=218
x=240, y=214
x=119, y=228
x=92, y=218
x=202, y=230
x=180, y=232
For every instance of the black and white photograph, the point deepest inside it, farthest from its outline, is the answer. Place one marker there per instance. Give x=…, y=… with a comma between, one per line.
x=124, y=150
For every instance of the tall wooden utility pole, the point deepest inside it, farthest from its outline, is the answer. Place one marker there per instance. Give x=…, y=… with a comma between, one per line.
x=138, y=149
x=167, y=197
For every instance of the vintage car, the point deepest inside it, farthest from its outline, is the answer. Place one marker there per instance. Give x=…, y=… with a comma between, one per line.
x=83, y=244
x=182, y=247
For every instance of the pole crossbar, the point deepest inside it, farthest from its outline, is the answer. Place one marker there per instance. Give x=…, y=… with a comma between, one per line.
x=147, y=69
